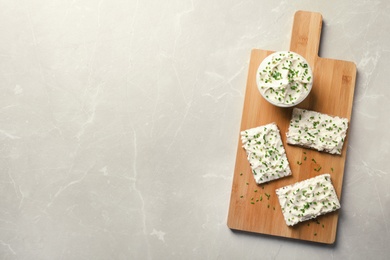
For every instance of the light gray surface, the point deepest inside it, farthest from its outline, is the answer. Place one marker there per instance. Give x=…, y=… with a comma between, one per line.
x=119, y=122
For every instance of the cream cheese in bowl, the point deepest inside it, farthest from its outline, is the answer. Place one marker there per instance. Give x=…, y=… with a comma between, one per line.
x=284, y=78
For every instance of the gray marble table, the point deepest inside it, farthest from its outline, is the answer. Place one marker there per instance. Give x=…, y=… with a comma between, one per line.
x=119, y=124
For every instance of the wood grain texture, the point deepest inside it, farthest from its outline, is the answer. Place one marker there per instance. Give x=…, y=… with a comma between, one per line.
x=251, y=209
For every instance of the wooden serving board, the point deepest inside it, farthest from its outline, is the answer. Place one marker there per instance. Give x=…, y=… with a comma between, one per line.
x=255, y=208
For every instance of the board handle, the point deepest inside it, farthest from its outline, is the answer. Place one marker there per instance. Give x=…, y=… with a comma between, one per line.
x=306, y=35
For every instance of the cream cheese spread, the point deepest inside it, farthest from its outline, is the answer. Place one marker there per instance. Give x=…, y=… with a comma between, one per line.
x=265, y=153
x=307, y=199
x=317, y=131
x=284, y=78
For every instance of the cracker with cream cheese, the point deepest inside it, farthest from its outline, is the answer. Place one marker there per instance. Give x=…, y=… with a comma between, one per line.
x=265, y=153
x=317, y=131
x=307, y=199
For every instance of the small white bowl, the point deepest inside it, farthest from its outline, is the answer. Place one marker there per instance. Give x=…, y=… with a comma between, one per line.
x=284, y=78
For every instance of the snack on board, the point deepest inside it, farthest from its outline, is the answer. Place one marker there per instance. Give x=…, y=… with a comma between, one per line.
x=265, y=153
x=317, y=131
x=284, y=78
x=307, y=199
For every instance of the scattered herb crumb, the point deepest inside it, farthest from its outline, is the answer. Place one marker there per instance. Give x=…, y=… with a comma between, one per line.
x=247, y=183
x=252, y=202
x=314, y=160
x=241, y=196
x=315, y=234
x=304, y=158
x=323, y=226
x=299, y=163
x=255, y=190
x=268, y=206
x=318, y=169
x=241, y=174
x=273, y=208
x=261, y=198
x=268, y=195
x=332, y=169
